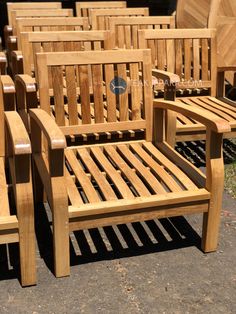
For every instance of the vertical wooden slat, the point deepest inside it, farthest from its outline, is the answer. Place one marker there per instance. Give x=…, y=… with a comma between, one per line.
x=84, y=94
x=57, y=85
x=71, y=95
x=111, y=98
x=134, y=31
x=204, y=60
x=127, y=37
x=187, y=59
x=196, y=59
x=161, y=54
x=135, y=91
x=120, y=37
x=123, y=96
x=179, y=57
x=98, y=92
x=170, y=55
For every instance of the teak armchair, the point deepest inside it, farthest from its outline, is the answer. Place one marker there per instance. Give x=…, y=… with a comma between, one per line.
x=191, y=55
x=83, y=8
x=125, y=29
x=99, y=17
x=89, y=186
x=16, y=195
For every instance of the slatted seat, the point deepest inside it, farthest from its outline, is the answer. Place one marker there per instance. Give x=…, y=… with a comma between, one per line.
x=16, y=195
x=116, y=181
x=191, y=54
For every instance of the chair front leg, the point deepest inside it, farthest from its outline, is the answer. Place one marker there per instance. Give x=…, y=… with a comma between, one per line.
x=215, y=185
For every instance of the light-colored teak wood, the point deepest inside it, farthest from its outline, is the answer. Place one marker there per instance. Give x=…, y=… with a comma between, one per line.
x=83, y=8
x=16, y=225
x=123, y=180
x=191, y=54
x=125, y=29
x=35, y=42
x=12, y=6
x=99, y=17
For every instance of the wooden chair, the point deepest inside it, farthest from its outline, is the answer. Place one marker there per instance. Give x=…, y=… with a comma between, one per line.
x=41, y=24
x=83, y=8
x=191, y=54
x=219, y=14
x=12, y=6
x=99, y=17
x=16, y=195
x=34, y=42
x=90, y=186
x=12, y=43
x=125, y=29
x=3, y=62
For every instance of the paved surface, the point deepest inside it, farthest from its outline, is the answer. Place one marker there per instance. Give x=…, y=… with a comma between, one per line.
x=155, y=267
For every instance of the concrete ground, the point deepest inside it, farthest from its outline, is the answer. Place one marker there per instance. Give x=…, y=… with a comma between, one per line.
x=152, y=267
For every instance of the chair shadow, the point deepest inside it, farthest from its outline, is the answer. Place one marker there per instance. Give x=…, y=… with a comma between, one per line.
x=195, y=152
x=9, y=262
x=116, y=242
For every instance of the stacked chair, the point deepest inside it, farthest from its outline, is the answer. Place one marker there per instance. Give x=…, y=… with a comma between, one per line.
x=103, y=97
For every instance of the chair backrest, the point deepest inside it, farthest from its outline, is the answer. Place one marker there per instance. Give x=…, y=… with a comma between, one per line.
x=99, y=17
x=38, y=13
x=11, y=6
x=192, y=13
x=49, y=24
x=125, y=29
x=131, y=98
x=189, y=53
x=35, y=42
x=83, y=8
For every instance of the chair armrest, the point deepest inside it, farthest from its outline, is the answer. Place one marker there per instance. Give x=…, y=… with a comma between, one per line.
x=226, y=68
x=210, y=120
x=8, y=85
x=48, y=126
x=17, y=62
x=3, y=62
x=20, y=141
x=7, y=32
x=167, y=77
x=26, y=92
x=27, y=82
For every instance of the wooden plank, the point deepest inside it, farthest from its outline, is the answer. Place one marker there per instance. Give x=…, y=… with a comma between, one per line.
x=127, y=171
x=160, y=172
x=111, y=98
x=196, y=60
x=71, y=95
x=86, y=184
x=123, y=96
x=187, y=59
x=204, y=59
x=98, y=93
x=111, y=172
x=146, y=174
x=57, y=84
x=136, y=90
x=180, y=175
x=84, y=94
x=96, y=174
x=72, y=190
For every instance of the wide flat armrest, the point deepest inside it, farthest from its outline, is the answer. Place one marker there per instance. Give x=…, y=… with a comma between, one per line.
x=208, y=119
x=167, y=77
x=48, y=126
x=20, y=139
x=27, y=81
x=8, y=85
